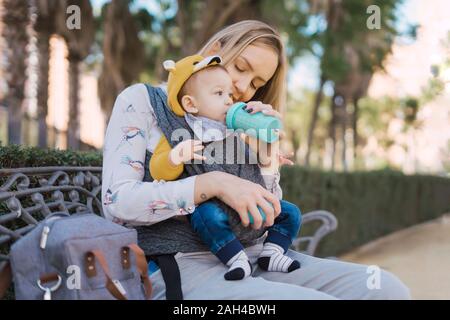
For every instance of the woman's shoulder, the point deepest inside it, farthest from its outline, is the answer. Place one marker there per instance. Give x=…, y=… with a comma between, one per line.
x=134, y=98
x=133, y=92
x=138, y=93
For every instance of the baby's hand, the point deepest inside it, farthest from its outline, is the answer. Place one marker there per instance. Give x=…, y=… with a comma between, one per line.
x=185, y=151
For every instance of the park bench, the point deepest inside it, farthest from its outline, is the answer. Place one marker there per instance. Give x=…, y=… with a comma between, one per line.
x=28, y=195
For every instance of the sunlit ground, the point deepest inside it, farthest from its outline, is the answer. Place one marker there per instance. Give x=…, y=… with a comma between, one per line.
x=419, y=256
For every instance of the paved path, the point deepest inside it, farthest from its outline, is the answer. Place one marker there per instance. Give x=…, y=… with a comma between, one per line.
x=419, y=256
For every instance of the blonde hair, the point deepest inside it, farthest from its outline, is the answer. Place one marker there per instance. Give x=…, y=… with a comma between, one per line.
x=236, y=38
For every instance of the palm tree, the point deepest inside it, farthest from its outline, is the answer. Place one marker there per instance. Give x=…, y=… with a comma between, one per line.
x=79, y=42
x=314, y=118
x=333, y=12
x=16, y=19
x=44, y=26
x=123, y=53
x=210, y=16
x=359, y=57
x=351, y=56
x=360, y=91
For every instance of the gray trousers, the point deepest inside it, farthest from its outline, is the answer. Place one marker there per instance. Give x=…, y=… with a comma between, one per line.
x=317, y=279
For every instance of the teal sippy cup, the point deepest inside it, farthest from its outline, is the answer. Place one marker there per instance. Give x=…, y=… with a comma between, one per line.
x=257, y=125
x=263, y=215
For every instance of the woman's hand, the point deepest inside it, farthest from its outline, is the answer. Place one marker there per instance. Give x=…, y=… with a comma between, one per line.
x=240, y=194
x=267, y=109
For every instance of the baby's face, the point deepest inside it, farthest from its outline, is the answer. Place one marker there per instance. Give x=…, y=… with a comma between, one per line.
x=212, y=92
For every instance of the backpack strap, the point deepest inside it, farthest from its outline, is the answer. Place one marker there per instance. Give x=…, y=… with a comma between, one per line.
x=171, y=275
x=96, y=255
x=111, y=285
x=5, y=278
x=142, y=267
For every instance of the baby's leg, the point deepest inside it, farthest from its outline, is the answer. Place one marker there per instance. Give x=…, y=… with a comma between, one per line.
x=279, y=238
x=210, y=222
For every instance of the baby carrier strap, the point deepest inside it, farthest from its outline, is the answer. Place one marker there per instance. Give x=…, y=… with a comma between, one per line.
x=170, y=273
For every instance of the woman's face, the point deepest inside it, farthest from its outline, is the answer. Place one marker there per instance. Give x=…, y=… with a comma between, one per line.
x=251, y=70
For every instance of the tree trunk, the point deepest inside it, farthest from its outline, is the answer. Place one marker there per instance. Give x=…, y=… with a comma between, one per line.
x=45, y=13
x=184, y=13
x=295, y=143
x=159, y=59
x=314, y=117
x=332, y=132
x=355, y=127
x=16, y=19
x=212, y=15
x=43, y=39
x=123, y=54
x=73, y=130
x=343, y=123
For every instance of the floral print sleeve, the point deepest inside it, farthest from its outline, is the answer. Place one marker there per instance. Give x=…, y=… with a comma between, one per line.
x=132, y=129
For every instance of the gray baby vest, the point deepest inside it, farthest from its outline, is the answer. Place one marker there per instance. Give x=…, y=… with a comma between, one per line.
x=173, y=235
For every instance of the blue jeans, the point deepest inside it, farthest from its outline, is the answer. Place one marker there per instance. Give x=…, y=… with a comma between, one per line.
x=210, y=222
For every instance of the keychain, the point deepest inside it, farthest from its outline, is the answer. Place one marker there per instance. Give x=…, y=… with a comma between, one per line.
x=48, y=291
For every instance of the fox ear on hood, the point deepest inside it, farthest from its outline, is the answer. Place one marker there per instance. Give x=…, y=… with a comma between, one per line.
x=206, y=62
x=169, y=65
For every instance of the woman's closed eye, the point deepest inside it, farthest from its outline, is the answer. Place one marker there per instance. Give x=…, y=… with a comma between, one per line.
x=220, y=92
x=240, y=70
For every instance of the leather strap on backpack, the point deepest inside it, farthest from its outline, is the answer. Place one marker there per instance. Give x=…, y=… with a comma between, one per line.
x=5, y=278
x=96, y=255
x=113, y=287
x=142, y=266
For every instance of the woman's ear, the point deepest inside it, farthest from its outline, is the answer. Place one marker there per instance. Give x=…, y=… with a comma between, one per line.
x=188, y=104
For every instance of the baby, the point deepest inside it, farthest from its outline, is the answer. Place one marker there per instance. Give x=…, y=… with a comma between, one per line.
x=202, y=87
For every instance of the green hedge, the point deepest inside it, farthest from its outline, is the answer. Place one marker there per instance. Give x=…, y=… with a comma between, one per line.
x=17, y=156
x=367, y=204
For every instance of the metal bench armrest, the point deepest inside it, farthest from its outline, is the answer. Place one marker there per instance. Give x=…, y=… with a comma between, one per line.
x=329, y=224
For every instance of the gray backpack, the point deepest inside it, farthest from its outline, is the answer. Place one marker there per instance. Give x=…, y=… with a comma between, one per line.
x=81, y=256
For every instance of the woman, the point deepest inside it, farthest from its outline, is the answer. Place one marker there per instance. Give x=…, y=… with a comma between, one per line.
x=254, y=56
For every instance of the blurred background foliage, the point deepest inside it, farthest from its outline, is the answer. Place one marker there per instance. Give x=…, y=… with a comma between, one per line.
x=125, y=41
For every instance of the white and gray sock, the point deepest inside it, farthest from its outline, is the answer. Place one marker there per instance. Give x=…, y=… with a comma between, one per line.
x=272, y=258
x=240, y=267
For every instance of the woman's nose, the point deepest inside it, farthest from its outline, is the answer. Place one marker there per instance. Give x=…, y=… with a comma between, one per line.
x=239, y=90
